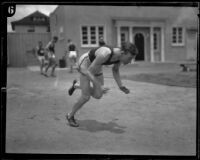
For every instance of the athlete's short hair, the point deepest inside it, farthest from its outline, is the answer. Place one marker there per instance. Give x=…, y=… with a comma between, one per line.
x=129, y=47
x=55, y=38
x=39, y=42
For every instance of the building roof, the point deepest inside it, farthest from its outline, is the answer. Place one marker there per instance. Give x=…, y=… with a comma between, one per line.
x=37, y=18
x=58, y=7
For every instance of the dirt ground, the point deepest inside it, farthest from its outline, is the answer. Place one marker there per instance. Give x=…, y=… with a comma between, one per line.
x=152, y=120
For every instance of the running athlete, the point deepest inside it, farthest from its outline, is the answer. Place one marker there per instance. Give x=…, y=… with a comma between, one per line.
x=90, y=69
x=51, y=56
x=40, y=52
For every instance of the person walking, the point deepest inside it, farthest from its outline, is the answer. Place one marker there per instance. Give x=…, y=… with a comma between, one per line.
x=50, y=48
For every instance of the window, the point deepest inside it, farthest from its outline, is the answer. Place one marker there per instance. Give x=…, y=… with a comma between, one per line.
x=85, y=35
x=155, y=41
x=101, y=32
x=177, y=36
x=38, y=19
x=91, y=34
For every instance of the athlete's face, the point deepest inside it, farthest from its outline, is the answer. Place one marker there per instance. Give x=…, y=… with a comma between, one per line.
x=127, y=58
x=40, y=44
x=54, y=40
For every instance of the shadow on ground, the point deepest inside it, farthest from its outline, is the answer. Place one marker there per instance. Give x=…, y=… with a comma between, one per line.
x=96, y=126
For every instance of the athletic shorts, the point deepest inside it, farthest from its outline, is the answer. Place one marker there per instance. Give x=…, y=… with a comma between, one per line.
x=51, y=55
x=41, y=58
x=46, y=61
x=84, y=63
x=72, y=54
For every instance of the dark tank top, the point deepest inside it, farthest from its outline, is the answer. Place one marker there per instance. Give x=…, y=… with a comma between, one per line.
x=72, y=47
x=51, y=48
x=92, y=55
x=40, y=52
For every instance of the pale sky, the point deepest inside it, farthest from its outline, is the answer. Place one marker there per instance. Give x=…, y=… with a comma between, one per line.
x=25, y=10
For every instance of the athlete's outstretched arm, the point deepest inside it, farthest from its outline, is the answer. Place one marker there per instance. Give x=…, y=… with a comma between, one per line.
x=116, y=75
x=117, y=78
x=47, y=47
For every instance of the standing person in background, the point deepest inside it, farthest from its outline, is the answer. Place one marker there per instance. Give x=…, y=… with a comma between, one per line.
x=40, y=52
x=101, y=41
x=50, y=48
x=72, y=54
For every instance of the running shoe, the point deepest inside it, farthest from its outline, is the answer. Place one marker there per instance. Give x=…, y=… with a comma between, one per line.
x=72, y=88
x=72, y=122
x=53, y=75
x=45, y=74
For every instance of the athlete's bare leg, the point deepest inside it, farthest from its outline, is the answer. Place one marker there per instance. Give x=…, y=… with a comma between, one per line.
x=41, y=66
x=85, y=96
x=47, y=67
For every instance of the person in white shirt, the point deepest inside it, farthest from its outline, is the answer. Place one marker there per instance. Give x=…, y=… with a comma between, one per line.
x=72, y=54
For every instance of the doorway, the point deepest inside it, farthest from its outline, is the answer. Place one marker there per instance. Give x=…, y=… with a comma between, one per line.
x=139, y=42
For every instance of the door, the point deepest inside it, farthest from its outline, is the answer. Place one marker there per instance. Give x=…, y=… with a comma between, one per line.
x=191, y=41
x=139, y=42
x=156, y=45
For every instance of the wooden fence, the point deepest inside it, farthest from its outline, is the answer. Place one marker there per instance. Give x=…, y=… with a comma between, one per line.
x=20, y=47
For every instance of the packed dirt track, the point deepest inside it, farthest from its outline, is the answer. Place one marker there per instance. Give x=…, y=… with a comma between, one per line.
x=152, y=120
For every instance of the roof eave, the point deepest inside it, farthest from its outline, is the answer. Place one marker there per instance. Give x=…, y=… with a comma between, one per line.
x=13, y=26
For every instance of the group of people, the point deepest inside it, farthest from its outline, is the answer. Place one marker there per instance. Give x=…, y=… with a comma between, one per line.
x=89, y=65
x=47, y=58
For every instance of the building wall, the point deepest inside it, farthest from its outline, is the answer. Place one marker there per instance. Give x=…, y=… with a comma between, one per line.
x=185, y=17
x=20, y=47
x=24, y=29
x=173, y=53
x=83, y=16
x=58, y=28
x=191, y=43
x=72, y=17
